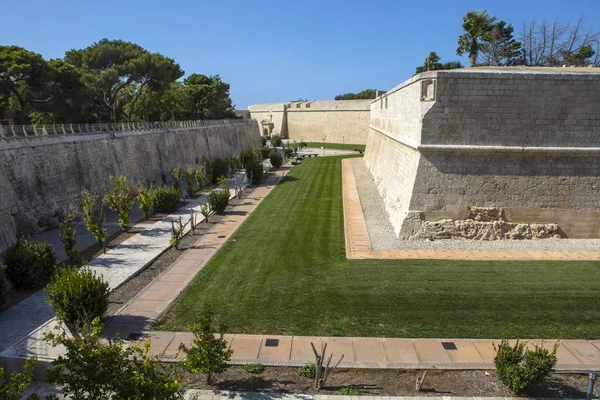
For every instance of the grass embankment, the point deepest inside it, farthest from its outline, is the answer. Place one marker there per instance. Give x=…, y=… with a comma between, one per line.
x=285, y=272
x=337, y=146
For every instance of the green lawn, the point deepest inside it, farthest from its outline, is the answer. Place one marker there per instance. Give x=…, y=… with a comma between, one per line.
x=285, y=272
x=339, y=146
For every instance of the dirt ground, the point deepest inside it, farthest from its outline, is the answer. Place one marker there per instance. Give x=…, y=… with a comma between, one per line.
x=384, y=382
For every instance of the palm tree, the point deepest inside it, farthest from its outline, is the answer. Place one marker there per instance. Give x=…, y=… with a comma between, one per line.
x=476, y=25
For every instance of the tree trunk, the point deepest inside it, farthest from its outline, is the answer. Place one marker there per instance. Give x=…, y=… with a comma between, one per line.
x=208, y=379
x=473, y=53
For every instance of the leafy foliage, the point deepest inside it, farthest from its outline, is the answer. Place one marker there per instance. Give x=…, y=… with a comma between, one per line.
x=93, y=368
x=365, y=94
x=477, y=26
x=276, y=141
x=252, y=159
x=254, y=368
x=218, y=199
x=166, y=198
x=208, y=353
x=499, y=47
x=235, y=164
x=67, y=237
x=200, y=178
x=29, y=264
x=77, y=296
x=189, y=182
x=220, y=168
x=432, y=64
x=207, y=163
x=265, y=152
x=94, y=217
x=176, y=178
x=120, y=199
x=177, y=233
x=209, y=97
x=276, y=159
x=349, y=391
x=308, y=370
x=522, y=369
x=145, y=201
x=13, y=386
x=263, y=141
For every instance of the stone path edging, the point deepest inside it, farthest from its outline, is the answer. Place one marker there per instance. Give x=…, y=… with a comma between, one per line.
x=358, y=245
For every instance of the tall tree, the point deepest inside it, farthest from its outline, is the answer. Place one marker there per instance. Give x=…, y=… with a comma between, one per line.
x=209, y=97
x=477, y=26
x=432, y=63
x=111, y=66
x=556, y=43
x=24, y=79
x=499, y=47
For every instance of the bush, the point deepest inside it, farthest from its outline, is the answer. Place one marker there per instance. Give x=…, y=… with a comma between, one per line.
x=254, y=166
x=349, y=391
x=521, y=369
x=218, y=199
x=276, y=141
x=145, y=201
x=308, y=370
x=120, y=199
x=288, y=152
x=276, y=159
x=220, y=168
x=268, y=137
x=166, y=198
x=77, y=296
x=263, y=141
x=14, y=385
x=29, y=264
x=255, y=368
x=265, y=151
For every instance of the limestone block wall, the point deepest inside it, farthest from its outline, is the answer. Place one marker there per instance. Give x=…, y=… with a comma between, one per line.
x=39, y=175
x=335, y=121
x=527, y=140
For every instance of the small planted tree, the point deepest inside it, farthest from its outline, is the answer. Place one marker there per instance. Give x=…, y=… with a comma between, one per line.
x=145, y=201
x=189, y=182
x=322, y=370
x=93, y=368
x=208, y=353
x=200, y=178
x=177, y=233
x=120, y=199
x=67, y=235
x=205, y=210
x=176, y=178
x=276, y=159
x=208, y=168
x=94, y=217
x=77, y=296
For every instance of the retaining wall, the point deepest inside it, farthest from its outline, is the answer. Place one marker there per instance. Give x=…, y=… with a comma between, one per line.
x=43, y=173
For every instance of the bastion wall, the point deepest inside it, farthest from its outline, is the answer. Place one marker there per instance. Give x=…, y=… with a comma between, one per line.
x=335, y=121
x=41, y=174
x=525, y=140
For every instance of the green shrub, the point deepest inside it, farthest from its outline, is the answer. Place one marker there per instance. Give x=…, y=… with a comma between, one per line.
x=220, y=168
x=176, y=178
x=252, y=160
x=522, y=369
x=14, y=385
x=349, y=391
x=265, y=151
x=29, y=264
x=255, y=368
x=308, y=370
x=120, y=199
x=235, y=164
x=145, y=201
x=208, y=168
x=263, y=141
x=200, y=177
x=166, y=198
x=77, y=296
x=276, y=159
x=276, y=141
x=94, y=217
x=218, y=199
x=288, y=152
x=302, y=144
x=268, y=137
x=2, y=286
x=67, y=237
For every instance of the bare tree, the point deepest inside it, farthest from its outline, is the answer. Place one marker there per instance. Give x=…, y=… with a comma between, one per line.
x=323, y=370
x=555, y=43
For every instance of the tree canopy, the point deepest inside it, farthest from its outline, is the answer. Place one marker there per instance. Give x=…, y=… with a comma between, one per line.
x=365, y=94
x=432, y=63
x=110, y=80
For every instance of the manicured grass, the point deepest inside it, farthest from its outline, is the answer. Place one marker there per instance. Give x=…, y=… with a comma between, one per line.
x=285, y=272
x=339, y=146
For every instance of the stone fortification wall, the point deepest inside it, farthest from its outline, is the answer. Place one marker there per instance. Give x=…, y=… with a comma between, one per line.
x=317, y=121
x=526, y=140
x=40, y=174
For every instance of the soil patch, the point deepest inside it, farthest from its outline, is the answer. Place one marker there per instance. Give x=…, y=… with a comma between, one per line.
x=384, y=382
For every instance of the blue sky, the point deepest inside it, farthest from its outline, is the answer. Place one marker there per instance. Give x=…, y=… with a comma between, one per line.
x=272, y=51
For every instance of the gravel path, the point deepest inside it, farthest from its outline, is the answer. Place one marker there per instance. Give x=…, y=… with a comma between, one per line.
x=381, y=232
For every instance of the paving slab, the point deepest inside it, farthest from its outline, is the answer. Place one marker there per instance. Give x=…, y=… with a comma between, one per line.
x=369, y=351
x=246, y=347
x=302, y=350
x=279, y=352
x=430, y=351
x=465, y=353
x=401, y=351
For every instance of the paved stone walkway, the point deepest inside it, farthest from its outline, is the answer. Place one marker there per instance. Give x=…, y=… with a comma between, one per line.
x=116, y=266
x=358, y=245
x=365, y=352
